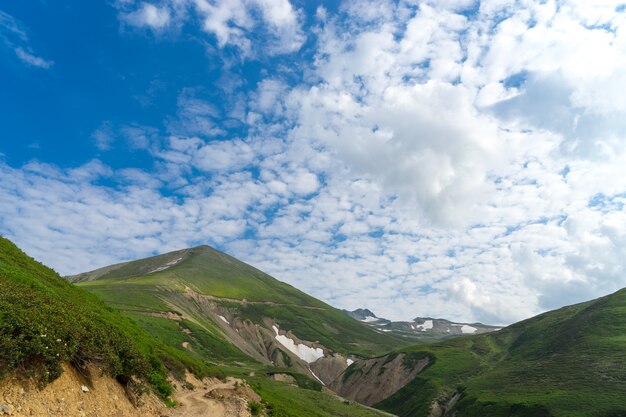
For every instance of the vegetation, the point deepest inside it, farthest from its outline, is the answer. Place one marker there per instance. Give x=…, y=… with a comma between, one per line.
x=569, y=362
x=45, y=321
x=302, y=381
x=283, y=400
x=255, y=408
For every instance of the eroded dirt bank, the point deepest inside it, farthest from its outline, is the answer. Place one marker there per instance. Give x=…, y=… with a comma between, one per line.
x=372, y=380
x=73, y=395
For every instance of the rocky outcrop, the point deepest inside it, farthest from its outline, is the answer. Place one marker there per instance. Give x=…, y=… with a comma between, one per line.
x=372, y=380
x=329, y=368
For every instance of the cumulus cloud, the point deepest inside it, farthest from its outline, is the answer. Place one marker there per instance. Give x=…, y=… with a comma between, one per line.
x=148, y=15
x=233, y=22
x=275, y=24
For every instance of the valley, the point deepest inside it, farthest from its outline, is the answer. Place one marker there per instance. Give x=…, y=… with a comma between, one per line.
x=228, y=339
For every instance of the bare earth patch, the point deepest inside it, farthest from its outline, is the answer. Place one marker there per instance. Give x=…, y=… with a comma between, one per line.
x=213, y=397
x=71, y=395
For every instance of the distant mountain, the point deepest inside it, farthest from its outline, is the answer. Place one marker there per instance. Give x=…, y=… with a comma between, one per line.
x=366, y=316
x=226, y=311
x=421, y=328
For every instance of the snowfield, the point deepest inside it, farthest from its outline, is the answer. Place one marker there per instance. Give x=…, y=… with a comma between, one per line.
x=167, y=265
x=304, y=352
x=427, y=325
x=369, y=319
x=468, y=329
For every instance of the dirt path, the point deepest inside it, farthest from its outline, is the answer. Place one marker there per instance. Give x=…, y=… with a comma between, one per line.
x=193, y=294
x=195, y=404
x=214, y=398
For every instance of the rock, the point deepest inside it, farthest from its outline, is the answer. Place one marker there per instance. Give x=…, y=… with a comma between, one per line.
x=4, y=409
x=84, y=388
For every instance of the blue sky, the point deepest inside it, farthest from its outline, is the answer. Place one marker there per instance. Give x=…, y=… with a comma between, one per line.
x=451, y=158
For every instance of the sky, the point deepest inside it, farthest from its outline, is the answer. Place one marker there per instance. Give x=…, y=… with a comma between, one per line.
x=442, y=158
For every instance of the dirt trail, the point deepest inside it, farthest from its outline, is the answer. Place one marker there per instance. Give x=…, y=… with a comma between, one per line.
x=193, y=294
x=214, y=398
x=194, y=403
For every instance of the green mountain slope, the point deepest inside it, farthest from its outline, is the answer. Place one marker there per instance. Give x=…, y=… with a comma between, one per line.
x=224, y=310
x=569, y=362
x=45, y=321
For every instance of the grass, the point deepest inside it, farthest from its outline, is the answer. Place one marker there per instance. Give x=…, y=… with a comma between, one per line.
x=283, y=400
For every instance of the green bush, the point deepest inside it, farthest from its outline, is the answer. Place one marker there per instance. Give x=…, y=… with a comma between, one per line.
x=255, y=408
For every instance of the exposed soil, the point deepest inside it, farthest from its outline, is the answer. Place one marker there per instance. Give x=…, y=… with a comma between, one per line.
x=73, y=395
x=65, y=397
x=329, y=368
x=213, y=397
x=376, y=379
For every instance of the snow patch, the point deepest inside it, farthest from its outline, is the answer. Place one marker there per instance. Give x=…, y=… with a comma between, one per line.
x=427, y=325
x=167, y=265
x=349, y=361
x=224, y=319
x=369, y=319
x=468, y=329
x=316, y=377
x=304, y=352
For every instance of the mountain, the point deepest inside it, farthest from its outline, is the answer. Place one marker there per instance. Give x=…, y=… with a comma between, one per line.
x=165, y=336
x=565, y=363
x=228, y=312
x=421, y=328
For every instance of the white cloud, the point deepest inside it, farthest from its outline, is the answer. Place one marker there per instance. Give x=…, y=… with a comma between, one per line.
x=13, y=36
x=103, y=136
x=275, y=24
x=232, y=23
x=31, y=59
x=156, y=18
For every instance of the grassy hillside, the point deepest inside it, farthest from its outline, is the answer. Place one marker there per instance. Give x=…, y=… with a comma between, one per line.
x=45, y=321
x=569, y=362
x=158, y=284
